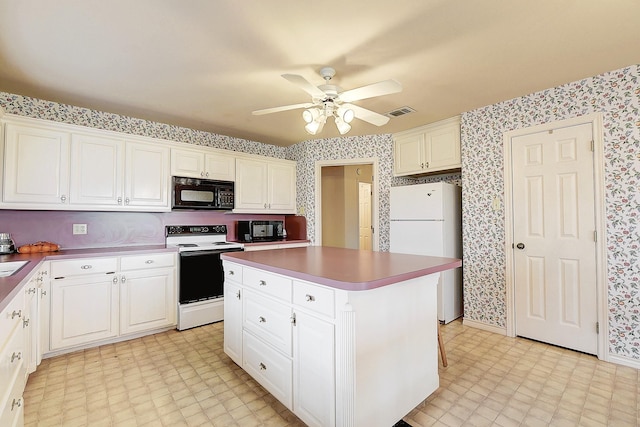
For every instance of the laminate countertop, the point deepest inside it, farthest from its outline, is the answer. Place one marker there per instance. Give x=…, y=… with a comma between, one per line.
x=347, y=269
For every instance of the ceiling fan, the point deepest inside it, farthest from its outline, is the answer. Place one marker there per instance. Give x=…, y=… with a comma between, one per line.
x=329, y=100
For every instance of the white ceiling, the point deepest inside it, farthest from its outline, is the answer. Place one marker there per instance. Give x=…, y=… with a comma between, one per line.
x=206, y=64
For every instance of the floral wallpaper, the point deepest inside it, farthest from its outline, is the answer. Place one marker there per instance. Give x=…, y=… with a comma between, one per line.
x=616, y=95
x=47, y=110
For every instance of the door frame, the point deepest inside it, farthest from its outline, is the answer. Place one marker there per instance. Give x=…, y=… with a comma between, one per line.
x=595, y=119
x=373, y=161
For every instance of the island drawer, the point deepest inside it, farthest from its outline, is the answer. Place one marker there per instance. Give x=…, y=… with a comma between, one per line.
x=232, y=271
x=140, y=262
x=268, y=320
x=271, y=284
x=314, y=298
x=270, y=368
x=83, y=267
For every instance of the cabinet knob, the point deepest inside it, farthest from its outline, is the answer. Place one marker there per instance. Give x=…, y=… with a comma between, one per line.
x=126, y=201
x=238, y=294
x=16, y=356
x=427, y=165
x=265, y=206
x=63, y=198
x=15, y=314
x=262, y=320
x=231, y=273
x=119, y=200
x=309, y=298
x=207, y=174
x=262, y=366
x=86, y=266
x=115, y=279
x=202, y=174
x=149, y=261
x=123, y=279
x=25, y=323
x=31, y=291
x=263, y=283
x=43, y=293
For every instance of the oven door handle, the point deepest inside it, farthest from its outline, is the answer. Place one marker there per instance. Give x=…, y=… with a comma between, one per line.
x=209, y=252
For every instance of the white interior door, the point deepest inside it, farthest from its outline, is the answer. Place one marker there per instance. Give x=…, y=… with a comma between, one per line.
x=554, y=233
x=364, y=215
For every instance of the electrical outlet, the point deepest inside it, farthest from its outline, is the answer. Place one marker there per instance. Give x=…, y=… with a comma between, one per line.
x=79, y=228
x=300, y=210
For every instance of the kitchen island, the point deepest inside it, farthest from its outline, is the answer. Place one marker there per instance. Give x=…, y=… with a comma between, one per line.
x=341, y=337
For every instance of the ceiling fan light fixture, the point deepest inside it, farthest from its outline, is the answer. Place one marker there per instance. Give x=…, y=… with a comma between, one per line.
x=343, y=127
x=310, y=115
x=346, y=114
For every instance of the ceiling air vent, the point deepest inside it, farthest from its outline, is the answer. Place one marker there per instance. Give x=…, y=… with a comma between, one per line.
x=400, y=112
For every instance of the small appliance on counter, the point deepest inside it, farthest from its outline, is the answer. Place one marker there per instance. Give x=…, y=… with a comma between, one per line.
x=6, y=244
x=260, y=231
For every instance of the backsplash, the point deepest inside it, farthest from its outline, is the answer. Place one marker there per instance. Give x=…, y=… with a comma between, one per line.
x=110, y=229
x=617, y=95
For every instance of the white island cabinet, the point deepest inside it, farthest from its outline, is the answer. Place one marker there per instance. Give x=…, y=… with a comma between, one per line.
x=341, y=337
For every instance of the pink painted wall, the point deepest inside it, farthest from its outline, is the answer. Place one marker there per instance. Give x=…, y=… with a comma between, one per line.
x=109, y=229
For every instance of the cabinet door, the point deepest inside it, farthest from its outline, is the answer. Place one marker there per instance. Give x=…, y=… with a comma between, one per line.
x=29, y=325
x=220, y=166
x=251, y=185
x=409, y=154
x=44, y=305
x=443, y=148
x=83, y=310
x=188, y=163
x=97, y=170
x=36, y=165
x=233, y=321
x=282, y=188
x=147, y=300
x=147, y=176
x=313, y=371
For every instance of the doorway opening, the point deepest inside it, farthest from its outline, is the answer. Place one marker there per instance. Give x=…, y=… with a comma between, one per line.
x=346, y=213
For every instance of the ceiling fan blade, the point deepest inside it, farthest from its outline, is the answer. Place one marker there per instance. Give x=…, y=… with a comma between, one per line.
x=368, y=115
x=283, y=108
x=304, y=84
x=385, y=87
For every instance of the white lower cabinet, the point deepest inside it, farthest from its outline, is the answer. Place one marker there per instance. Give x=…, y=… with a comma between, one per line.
x=13, y=370
x=284, y=346
x=94, y=300
x=83, y=310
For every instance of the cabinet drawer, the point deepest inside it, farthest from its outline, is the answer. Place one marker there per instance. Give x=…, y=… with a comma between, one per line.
x=270, y=368
x=12, y=415
x=12, y=367
x=232, y=271
x=271, y=284
x=83, y=267
x=314, y=298
x=12, y=315
x=269, y=320
x=139, y=262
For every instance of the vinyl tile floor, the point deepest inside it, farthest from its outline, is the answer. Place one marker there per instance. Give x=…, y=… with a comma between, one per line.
x=185, y=379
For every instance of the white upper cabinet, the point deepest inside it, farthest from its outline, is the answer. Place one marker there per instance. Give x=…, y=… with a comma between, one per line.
x=50, y=165
x=36, y=166
x=427, y=149
x=204, y=163
x=97, y=170
x=146, y=184
x=265, y=186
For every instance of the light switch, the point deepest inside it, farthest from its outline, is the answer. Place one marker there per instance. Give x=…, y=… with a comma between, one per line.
x=496, y=204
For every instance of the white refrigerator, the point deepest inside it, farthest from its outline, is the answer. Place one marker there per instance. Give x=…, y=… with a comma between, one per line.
x=426, y=219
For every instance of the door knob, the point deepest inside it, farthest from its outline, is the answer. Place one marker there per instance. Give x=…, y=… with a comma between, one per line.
x=520, y=246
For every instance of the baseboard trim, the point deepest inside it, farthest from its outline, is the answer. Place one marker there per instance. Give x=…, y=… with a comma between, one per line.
x=625, y=361
x=484, y=326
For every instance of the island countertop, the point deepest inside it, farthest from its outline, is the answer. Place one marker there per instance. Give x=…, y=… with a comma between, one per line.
x=347, y=269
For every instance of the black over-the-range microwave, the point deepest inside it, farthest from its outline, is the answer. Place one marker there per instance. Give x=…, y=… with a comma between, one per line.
x=196, y=193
